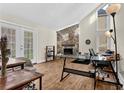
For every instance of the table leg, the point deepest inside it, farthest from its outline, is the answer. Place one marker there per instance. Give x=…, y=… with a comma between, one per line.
x=63, y=69
x=22, y=66
x=117, y=83
x=95, y=77
x=117, y=79
x=40, y=83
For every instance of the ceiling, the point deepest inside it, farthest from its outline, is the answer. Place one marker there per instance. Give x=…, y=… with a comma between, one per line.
x=54, y=16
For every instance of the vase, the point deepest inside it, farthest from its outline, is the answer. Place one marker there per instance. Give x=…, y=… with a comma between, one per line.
x=3, y=70
x=4, y=55
x=3, y=81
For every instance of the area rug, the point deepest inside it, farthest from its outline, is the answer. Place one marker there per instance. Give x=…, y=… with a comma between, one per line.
x=79, y=61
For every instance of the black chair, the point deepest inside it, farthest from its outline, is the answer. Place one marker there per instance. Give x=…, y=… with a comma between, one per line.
x=99, y=63
x=93, y=52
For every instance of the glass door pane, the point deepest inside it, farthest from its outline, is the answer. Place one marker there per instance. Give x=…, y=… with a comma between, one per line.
x=28, y=44
x=10, y=33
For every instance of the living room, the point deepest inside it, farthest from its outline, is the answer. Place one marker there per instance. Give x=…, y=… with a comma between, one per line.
x=58, y=46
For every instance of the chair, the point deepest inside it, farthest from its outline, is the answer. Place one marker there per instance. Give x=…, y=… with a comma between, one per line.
x=99, y=63
x=92, y=55
x=92, y=51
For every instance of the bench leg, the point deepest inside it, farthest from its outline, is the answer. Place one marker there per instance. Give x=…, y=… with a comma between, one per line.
x=40, y=83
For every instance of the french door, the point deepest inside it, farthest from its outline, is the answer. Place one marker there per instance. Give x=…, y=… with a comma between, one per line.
x=20, y=41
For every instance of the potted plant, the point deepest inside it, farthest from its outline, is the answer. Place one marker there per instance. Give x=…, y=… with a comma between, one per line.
x=4, y=55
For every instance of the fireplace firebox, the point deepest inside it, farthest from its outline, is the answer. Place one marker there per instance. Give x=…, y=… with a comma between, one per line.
x=68, y=51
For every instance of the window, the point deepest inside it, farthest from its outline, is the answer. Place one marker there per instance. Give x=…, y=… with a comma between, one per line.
x=103, y=25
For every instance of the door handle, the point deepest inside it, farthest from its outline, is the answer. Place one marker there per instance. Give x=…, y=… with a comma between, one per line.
x=21, y=47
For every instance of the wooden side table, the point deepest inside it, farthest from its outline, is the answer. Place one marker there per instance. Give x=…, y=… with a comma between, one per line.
x=18, y=79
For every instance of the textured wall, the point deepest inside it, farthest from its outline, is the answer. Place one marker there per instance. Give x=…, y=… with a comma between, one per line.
x=88, y=31
x=120, y=36
x=68, y=36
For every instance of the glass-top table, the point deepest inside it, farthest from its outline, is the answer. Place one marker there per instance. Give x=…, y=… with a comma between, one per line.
x=85, y=57
x=98, y=58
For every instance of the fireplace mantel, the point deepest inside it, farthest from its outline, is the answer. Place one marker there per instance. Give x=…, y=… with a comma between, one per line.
x=71, y=45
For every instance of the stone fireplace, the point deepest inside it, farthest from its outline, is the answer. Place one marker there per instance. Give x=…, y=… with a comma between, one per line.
x=68, y=40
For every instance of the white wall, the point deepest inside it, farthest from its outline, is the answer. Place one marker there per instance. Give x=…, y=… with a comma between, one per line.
x=87, y=31
x=120, y=35
x=45, y=37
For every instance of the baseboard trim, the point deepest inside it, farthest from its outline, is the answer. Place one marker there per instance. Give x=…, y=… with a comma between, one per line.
x=41, y=61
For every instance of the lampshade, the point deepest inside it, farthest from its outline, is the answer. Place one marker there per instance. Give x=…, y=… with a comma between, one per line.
x=113, y=8
x=108, y=33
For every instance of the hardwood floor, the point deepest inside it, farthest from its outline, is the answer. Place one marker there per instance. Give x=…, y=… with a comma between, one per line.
x=52, y=73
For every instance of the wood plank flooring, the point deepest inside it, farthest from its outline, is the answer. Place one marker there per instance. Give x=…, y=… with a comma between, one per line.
x=52, y=74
